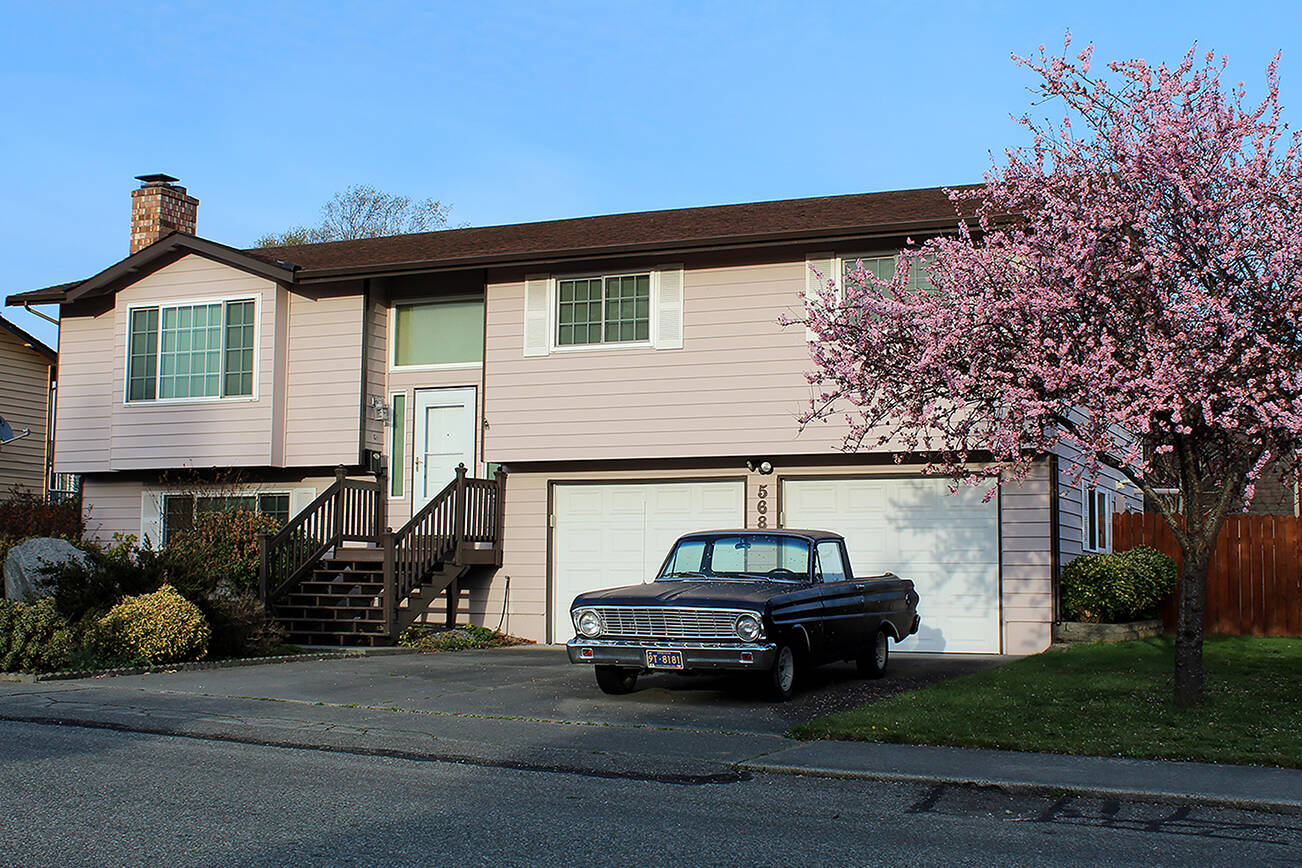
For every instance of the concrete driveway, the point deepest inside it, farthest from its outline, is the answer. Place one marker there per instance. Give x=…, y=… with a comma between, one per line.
x=522, y=707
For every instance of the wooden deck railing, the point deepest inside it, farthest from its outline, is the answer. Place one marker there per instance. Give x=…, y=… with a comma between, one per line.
x=462, y=524
x=349, y=510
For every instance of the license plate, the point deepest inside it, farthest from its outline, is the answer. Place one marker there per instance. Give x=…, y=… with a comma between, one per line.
x=664, y=660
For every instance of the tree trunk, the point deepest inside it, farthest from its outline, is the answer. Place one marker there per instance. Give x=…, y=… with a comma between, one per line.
x=1189, y=627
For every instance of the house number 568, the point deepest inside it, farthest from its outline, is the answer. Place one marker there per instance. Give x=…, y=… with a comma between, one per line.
x=762, y=506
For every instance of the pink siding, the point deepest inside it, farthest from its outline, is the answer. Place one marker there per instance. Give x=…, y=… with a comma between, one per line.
x=735, y=388
x=323, y=380
x=1027, y=588
x=83, y=424
x=201, y=433
x=307, y=393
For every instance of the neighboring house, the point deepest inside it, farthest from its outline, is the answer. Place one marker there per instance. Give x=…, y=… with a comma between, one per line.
x=628, y=371
x=27, y=373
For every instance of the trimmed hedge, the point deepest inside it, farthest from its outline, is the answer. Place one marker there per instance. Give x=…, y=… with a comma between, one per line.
x=34, y=637
x=1114, y=588
x=162, y=627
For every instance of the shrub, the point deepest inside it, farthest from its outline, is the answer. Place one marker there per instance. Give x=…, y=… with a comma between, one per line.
x=1158, y=575
x=460, y=639
x=1112, y=588
x=34, y=637
x=240, y=627
x=89, y=590
x=24, y=514
x=221, y=550
x=162, y=627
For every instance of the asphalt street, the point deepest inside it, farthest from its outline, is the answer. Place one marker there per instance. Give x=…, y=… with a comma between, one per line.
x=71, y=795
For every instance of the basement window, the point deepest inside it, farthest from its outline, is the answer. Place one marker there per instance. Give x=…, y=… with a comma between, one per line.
x=179, y=510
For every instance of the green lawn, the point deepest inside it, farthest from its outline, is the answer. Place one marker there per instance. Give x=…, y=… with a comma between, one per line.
x=1104, y=700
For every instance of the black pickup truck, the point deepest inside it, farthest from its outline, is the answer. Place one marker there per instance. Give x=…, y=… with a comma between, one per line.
x=761, y=601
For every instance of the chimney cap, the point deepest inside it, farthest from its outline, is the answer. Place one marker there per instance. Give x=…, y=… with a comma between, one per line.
x=156, y=179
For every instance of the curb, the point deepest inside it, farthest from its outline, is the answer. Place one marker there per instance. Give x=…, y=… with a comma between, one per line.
x=36, y=677
x=1285, y=806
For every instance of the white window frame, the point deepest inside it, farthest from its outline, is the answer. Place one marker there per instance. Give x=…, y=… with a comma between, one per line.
x=844, y=260
x=256, y=298
x=392, y=333
x=553, y=311
x=1091, y=498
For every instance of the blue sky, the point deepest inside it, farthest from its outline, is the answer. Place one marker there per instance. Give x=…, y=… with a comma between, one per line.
x=515, y=111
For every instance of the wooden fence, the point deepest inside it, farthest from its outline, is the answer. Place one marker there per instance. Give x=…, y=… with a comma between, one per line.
x=1254, y=585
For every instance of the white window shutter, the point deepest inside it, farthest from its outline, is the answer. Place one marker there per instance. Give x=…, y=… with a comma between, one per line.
x=669, y=308
x=537, y=314
x=825, y=263
x=151, y=517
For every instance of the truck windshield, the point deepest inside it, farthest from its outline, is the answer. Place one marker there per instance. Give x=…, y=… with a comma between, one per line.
x=739, y=557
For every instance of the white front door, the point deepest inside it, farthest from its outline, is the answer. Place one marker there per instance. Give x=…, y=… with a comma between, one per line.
x=609, y=535
x=444, y=437
x=913, y=527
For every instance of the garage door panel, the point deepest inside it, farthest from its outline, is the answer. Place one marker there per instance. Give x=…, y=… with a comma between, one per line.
x=618, y=534
x=947, y=543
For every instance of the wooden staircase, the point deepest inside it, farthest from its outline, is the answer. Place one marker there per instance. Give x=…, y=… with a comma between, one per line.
x=325, y=592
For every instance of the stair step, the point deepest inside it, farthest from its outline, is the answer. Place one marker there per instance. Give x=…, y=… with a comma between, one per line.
x=327, y=613
x=351, y=556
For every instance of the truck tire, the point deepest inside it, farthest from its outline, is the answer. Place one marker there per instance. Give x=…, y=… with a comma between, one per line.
x=873, y=659
x=780, y=682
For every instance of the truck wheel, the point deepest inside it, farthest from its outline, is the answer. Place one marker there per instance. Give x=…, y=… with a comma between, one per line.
x=873, y=659
x=780, y=683
x=616, y=681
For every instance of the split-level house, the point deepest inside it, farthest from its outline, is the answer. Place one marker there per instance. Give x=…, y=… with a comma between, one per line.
x=607, y=382
x=27, y=379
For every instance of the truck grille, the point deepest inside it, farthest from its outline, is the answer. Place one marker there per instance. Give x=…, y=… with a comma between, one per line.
x=668, y=622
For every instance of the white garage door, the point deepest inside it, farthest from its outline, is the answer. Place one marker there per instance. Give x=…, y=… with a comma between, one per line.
x=619, y=534
x=948, y=544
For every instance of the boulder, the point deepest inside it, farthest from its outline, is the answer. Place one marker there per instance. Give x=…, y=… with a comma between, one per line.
x=23, y=567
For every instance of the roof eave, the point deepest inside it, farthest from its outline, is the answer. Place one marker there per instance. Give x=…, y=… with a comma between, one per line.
x=30, y=340
x=170, y=245
x=695, y=245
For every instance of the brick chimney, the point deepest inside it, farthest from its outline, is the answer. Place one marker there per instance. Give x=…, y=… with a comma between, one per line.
x=160, y=207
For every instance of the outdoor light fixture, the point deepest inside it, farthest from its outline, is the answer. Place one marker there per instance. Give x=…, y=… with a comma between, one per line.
x=759, y=465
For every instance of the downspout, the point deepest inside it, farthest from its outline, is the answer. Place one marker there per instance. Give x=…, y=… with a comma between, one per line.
x=365, y=380
x=27, y=306
x=1055, y=531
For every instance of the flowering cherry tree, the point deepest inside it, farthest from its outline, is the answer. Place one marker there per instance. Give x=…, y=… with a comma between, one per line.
x=1127, y=289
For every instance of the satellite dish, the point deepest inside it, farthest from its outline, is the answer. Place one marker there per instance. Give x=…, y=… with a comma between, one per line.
x=7, y=434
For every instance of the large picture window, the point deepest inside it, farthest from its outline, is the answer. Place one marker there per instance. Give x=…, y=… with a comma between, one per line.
x=438, y=333
x=603, y=310
x=191, y=351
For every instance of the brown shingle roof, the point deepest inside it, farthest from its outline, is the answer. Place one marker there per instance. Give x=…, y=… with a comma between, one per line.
x=677, y=229
x=680, y=227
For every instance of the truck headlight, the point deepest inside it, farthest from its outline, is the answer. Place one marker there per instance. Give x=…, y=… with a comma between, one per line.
x=587, y=622
x=747, y=628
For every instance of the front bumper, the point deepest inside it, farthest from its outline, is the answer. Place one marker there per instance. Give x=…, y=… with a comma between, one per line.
x=697, y=656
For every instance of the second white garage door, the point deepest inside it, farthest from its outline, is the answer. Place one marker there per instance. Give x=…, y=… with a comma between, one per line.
x=947, y=543
x=619, y=533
